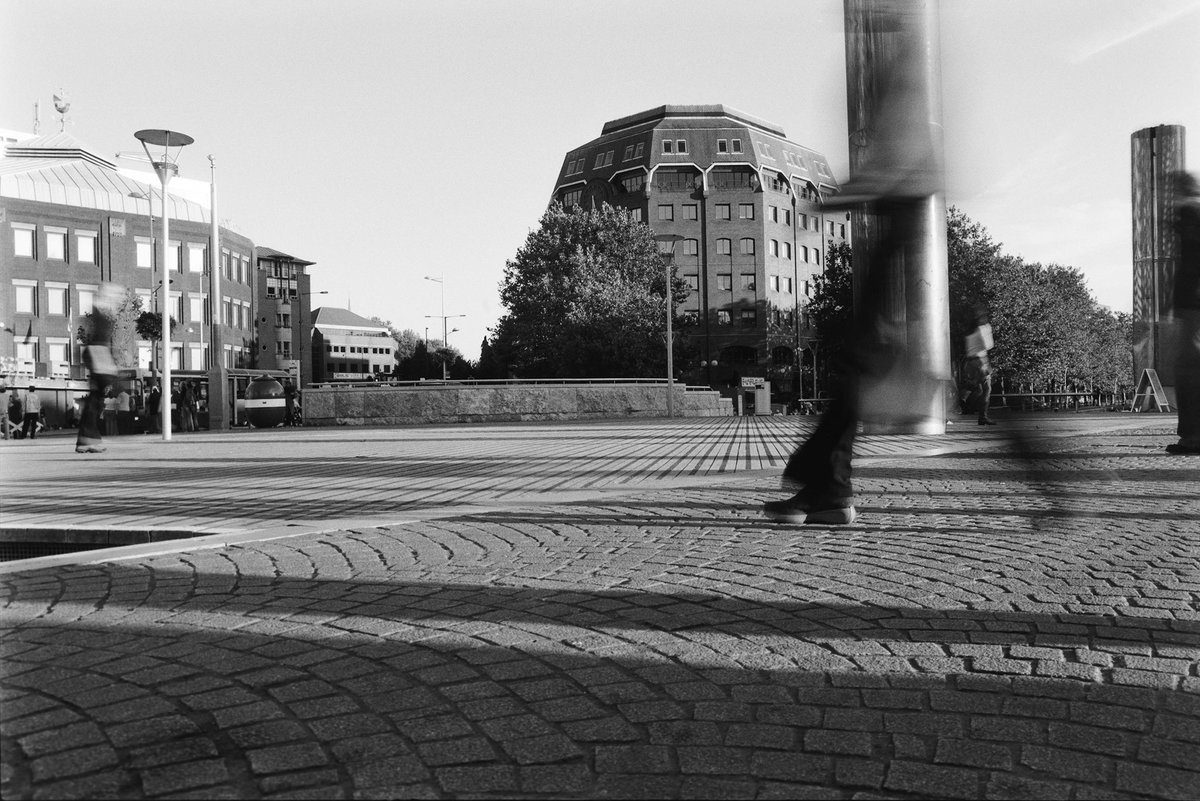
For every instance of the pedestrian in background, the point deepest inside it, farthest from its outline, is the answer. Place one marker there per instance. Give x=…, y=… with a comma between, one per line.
x=31, y=402
x=187, y=407
x=1186, y=308
x=110, y=412
x=977, y=370
x=102, y=369
x=153, y=407
x=124, y=411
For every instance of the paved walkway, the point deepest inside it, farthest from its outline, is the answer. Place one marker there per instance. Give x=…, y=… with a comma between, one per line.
x=996, y=625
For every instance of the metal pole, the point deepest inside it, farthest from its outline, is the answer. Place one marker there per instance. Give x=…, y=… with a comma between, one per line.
x=165, y=402
x=445, y=347
x=896, y=165
x=669, y=262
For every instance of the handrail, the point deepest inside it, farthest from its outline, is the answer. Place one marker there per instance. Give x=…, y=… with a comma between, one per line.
x=500, y=382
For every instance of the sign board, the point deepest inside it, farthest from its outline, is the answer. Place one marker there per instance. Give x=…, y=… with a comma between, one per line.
x=750, y=382
x=293, y=368
x=1150, y=391
x=116, y=226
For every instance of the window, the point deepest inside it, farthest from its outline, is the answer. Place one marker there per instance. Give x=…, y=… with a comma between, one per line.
x=787, y=285
x=227, y=312
x=749, y=318
x=747, y=246
x=722, y=145
x=773, y=213
x=283, y=348
x=668, y=146
x=24, y=237
x=57, y=351
x=787, y=216
x=633, y=183
x=666, y=248
x=85, y=248
x=842, y=230
x=691, y=247
x=225, y=257
x=56, y=244
x=802, y=222
x=787, y=250
x=196, y=254
x=737, y=145
x=637, y=153
x=774, y=247
x=56, y=300
x=693, y=282
x=599, y=161
x=283, y=320
x=666, y=212
x=636, y=214
x=572, y=198
x=195, y=309
x=725, y=281
x=722, y=317
x=722, y=211
x=745, y=211
x=803, y=253
x=816, y=256
x=628, y=153
x=774, y=283
x=690, y=211
x=87, y=299
x=723, y=246
x=175, y=257
x=748, y=281
x=145, y=253
x=26, y=297
x=829, y=226
x=680, y=145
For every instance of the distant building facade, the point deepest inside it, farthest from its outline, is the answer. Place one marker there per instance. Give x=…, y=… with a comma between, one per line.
x=71, y=221
x=738, y=206
x=349, y=347
x=283, y=289
x=1156, y=153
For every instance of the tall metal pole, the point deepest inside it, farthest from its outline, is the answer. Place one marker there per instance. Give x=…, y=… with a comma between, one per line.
x=894, y=111
x=214, y=274
x=670, y=262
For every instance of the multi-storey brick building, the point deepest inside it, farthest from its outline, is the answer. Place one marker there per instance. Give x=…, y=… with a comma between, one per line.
x=70, y=221
x=738, y=205
x=349, y=347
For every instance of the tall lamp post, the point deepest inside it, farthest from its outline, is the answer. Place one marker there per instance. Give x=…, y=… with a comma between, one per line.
x=669, y=264
x=445, y=344
x=165, y=168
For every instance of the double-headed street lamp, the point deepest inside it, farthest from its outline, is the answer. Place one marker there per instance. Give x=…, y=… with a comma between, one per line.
x=166, y=169
x=444, y=317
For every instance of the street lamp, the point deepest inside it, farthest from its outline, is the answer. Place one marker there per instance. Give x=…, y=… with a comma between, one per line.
x=669, y=264
x=445, y=334
x=166, y=168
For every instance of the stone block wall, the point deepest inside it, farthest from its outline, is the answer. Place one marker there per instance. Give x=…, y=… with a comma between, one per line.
x=453, y=403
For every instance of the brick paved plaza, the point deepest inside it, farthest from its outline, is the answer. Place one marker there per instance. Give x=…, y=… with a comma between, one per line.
x=600, y=611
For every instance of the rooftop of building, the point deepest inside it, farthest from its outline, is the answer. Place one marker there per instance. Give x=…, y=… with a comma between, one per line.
x=344, y=318
x=690, y=113
x=279, y=255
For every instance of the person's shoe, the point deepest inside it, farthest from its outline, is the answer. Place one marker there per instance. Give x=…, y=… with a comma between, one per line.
x=986, y=421
x=1180, y=448
x=90, y=449
x=806, y=507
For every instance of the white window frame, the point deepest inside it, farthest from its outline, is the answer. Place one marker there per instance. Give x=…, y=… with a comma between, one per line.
x=81, y=254
x=144, y=246
x=61, y=292
x=59, y=235
x=24, y=233
x=23, y=288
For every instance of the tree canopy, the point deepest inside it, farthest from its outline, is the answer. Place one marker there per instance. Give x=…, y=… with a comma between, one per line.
x=585, y=297
x=123, y=323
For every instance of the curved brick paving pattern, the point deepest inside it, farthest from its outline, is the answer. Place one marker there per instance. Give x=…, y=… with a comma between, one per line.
x=992, y=628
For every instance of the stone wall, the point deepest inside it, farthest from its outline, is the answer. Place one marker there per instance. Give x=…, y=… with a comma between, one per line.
x=455, y=403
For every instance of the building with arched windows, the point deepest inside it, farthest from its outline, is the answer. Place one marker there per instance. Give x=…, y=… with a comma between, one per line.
x=737, y=204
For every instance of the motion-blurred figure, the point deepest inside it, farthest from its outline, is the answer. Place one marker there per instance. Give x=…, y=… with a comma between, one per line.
x=977, y=370
x=102, y=369
x=1187, y=315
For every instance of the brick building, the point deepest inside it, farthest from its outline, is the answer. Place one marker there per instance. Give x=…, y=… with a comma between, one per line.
x=738, y=206
x=70, y=220
x=349, y=347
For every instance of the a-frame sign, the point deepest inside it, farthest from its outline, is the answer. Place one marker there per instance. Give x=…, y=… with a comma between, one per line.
x=1150, y=391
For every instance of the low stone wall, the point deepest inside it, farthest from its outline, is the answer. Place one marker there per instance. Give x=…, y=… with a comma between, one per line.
x=453, y=403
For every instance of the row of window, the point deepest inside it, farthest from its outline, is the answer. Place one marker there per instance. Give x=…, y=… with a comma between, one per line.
x=778, y=283
x=59, y=355
x=746, y=246
x=25, y=244
x=358, y=349
x=354, y=367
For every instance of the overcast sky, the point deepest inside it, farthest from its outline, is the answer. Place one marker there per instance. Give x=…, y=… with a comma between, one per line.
x=390, y=140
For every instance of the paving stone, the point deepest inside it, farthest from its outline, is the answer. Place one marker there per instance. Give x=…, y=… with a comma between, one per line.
x=280, y=758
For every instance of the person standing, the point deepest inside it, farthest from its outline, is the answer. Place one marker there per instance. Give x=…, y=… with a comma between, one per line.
x=32, y=403
x=153, y=404
x=124, y=412
x=1186, y=308
x=289, y=403
x=110, y=412
x=978, y=370
x=187, y=406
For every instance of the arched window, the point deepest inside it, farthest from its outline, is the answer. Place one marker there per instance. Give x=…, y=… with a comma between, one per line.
x=747, y=245
x=723, y=246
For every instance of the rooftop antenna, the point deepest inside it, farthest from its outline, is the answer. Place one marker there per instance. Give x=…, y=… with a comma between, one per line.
x=37, y=117
x=62, y=106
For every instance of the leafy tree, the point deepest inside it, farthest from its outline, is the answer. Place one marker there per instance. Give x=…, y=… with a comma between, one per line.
x=123, y=322
x=149, y=326
x=406, y=340
x=831, y=308
x=585, y=297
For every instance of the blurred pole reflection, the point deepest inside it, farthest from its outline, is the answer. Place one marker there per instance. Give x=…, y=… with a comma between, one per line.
x=898, y=214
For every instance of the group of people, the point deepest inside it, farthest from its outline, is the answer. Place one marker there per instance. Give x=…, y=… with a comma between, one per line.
x=24, y=413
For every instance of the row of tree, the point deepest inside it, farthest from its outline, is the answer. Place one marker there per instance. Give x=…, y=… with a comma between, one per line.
x=1050, y=332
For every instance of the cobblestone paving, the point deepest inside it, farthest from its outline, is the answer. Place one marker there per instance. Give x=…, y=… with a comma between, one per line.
x=992, y=627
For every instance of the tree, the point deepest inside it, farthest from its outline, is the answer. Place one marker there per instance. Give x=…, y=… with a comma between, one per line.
x=149, y=326
x=585, y=297
x=831, y=307
x=406, y=340
x=123, y=323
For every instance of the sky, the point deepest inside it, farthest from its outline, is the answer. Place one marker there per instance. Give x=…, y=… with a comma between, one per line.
x=390, y=140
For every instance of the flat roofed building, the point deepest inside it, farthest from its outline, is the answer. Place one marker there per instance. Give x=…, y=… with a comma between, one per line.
x=349, y=347
x=738, y=205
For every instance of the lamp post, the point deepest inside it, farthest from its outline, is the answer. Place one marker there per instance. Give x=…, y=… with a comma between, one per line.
x=165, y=168
x=445, y=344
x=669, y=265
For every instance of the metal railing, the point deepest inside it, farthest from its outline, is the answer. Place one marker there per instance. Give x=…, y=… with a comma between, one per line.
x=506, y=382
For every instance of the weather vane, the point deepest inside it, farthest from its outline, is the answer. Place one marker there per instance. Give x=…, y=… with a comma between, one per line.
x=62, y=106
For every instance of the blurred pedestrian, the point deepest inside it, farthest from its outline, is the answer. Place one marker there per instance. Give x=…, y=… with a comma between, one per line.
x=977, y=370
x=187, y=407
x=124, y=411
x=102, y=369
x=153, y=409
x=31, y=402
x=1186, y=309
x=289, y=403
x=110, y=413
x=16, y=415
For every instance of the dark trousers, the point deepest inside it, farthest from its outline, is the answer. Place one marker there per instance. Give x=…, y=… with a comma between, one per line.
x=93, y=407
x=29, y=425
x=822, y=463
x=1187, y=375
